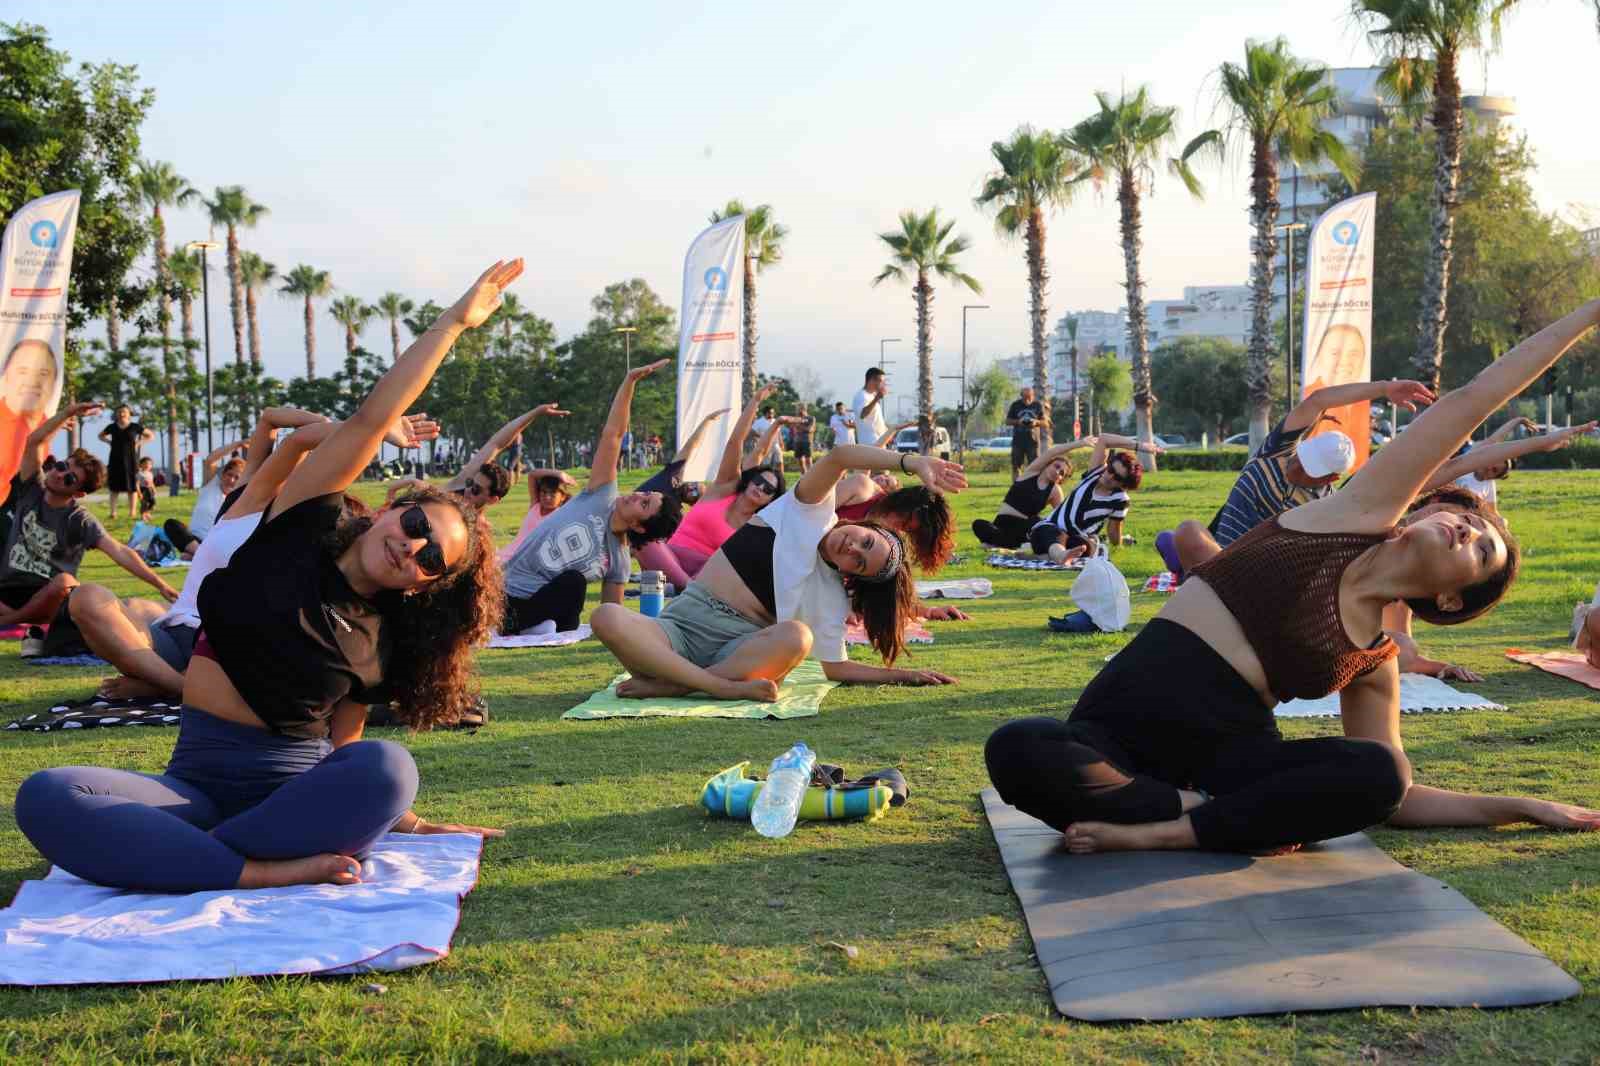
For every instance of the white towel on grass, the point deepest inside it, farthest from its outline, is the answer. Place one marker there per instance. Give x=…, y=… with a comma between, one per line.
x=64, y=931
x=1418, y=692
x=964, y=588
x=547, y=639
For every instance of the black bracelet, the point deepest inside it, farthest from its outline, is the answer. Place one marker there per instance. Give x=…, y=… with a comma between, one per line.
x=903, y=469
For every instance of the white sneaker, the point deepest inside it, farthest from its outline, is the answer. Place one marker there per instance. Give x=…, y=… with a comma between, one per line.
x=543, y=628
x=33, y=643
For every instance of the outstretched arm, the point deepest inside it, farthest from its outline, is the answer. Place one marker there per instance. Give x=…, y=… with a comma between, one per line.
x=1494, y=454
x=1106, y=441
x=38, y=442
x=764, y=442
x=266, y=432
x=1057, y=451
x=1511, y=426
x=854, y=673
x=937, y=474
x=131, y=561
x=500, y=441
x=690, y=446
x=1308, y=412
x=733, y=452
x=887, y=440
x=208, y=465
x=332, y=467
x=608, y=449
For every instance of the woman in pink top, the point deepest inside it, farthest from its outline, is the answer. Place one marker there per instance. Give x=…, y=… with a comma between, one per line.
x=725, y=504
x=547, y=490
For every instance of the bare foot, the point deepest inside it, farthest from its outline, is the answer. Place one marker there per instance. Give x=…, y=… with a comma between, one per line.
x=1086, y=838
x=1281, y=849
x=758, y=689
x=131, y=688
x=648, y=688
x=311, y=870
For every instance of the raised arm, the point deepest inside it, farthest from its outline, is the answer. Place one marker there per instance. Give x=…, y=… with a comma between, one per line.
x=608, y=449
x=733, y=452
x=266, y=432
x=535, y=476
x=1494, y=454
x=1106, y=441
x=500, y=442
x=887, y=440
x=208, y=465
x=1511, y=426
x=764, y=443
x=332, y=467
x=38, y=442
x=1308, y=412
x=937, y=474
x=1378, y=494
x=690, y=446
x=1056, y=451
x=285, y=458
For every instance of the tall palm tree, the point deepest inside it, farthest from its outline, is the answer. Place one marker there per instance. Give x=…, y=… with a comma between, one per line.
x=159, y=185
x=510, y=313
x=256, y=273
x=308, y=283
x=394, y=307
x=1275, y=102
x=923, y=244
x=1072, y=353
x=763, y=247
x=1123, y=142
x=185, y=270
x=353, y=315
x=1422, y=42
x=232, y=207
x=1034, y=176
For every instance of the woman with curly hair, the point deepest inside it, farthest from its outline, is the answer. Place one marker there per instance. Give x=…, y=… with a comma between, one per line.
x=780, y=589
x=313, y=618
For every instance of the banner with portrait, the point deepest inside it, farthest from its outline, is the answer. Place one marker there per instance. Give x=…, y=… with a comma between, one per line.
x=1338, y=314
x=35, y=263
x=710, y=355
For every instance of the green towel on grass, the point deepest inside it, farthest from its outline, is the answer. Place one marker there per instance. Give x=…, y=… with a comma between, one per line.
x=800, y=696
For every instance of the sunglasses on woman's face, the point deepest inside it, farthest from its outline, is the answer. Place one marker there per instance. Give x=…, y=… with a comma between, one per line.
x=475, y=488
x=768, y=488
x=414, y=524
x=68, y=477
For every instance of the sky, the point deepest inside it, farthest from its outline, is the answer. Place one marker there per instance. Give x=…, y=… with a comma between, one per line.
x=404, y=145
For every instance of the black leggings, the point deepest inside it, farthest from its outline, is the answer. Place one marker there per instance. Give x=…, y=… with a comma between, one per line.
x=1006, y=531
x=178, y=533
x=560, y=601
x=1169, y=713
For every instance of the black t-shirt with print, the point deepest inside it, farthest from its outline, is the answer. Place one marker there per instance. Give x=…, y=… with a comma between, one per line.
x=44, y=541
x=1025, y=415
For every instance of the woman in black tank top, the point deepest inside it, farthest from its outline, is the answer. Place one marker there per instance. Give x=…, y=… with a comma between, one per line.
x=1039, y=487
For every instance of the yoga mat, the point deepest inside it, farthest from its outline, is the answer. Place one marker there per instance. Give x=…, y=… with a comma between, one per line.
x=1161, y=935
x=1166, y=581
x=964, y=588
x=1030, y=562
x=14, y=632
x=65, y=660
x=1418, y=692
x=1567, y=664
x=98, y=713
x=541, y=640
x=915, y=633
x=64, y=931
x=800, y=696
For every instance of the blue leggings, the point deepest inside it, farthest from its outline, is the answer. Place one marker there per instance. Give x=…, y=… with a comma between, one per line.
x=230, y=793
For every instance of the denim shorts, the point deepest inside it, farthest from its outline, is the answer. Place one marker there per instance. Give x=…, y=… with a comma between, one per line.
x=702, y=628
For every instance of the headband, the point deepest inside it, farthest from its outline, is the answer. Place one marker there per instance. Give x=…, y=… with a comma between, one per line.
x=891, y=563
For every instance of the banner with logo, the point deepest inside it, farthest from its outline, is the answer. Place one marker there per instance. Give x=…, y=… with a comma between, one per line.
x=1338, y=313
x=35, y=261
x=710, y=356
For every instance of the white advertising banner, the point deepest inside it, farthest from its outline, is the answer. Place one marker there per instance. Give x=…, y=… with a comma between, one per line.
x=710, y=355
x=1338, y=312
x=35, y=262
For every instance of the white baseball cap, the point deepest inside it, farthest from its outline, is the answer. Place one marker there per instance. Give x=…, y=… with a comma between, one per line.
x=1327, y=453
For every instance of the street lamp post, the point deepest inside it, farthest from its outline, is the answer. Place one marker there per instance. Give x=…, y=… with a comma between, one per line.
x=205, y=301
x=1289, y=229
x=882, y=359
x=627, y=363
x=961, y=408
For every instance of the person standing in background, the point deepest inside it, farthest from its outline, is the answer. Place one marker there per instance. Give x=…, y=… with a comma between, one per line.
x=802, y=429
x=1024, y=417
x=842, y=425
x=126, y=437
x=867, y=408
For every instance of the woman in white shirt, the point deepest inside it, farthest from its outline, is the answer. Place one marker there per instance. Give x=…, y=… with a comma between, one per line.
x=779, y=590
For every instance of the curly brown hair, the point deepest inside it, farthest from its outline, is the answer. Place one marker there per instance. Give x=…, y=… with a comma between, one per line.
x=884, y=606
x=429, y=635
x=94, y=471
x=929, y=525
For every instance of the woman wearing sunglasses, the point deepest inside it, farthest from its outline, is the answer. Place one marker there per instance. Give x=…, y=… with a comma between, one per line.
x=779, y=590
x=724, y=504
x=313, y=618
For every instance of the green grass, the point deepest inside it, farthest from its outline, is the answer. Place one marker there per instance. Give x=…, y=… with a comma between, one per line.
x=618, y=922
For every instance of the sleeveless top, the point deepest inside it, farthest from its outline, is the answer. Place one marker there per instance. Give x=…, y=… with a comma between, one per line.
x=1027, y=497
x=856, y=512
x=705, y=526
x=749, y=551
x=1282, y=586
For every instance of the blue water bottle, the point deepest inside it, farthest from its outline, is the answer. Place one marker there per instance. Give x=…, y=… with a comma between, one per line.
x=652, y=593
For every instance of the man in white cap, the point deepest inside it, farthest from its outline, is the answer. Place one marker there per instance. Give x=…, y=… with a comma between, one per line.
x=1288, y=469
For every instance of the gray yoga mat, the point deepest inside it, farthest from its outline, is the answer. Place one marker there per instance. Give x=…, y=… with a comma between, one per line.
x=1158, y=936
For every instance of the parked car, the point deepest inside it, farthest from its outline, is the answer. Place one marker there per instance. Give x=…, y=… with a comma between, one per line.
x=909, y=441
x=1239, y=438
x=1001, y=443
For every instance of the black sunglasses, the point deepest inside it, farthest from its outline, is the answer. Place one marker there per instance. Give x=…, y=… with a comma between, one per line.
x=68, y=478
x=414, y=524
x=475, y=489
x=768, y=487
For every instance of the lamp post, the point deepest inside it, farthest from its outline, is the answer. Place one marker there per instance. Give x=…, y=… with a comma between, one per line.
x=205, y=302
x=1289, y=229
x=961, y=407
x=882, y=360
x=627, y=362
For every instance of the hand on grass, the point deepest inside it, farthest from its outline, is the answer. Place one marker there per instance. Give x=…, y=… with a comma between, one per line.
x=947, y=613
x=427, y=827
x=923, y=677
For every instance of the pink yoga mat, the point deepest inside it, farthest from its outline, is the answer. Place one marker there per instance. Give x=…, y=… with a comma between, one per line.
x=1568, y=664
x=16, y=632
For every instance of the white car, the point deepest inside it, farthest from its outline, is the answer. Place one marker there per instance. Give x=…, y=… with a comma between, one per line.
x=994, y=444
x=909, y=441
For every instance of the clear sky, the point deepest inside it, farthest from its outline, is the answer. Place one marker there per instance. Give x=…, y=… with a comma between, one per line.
x=403, y=145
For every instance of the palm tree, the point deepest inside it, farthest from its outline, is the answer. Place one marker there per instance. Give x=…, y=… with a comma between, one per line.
x=394, y=307
x=353, y=315
x=308, y=283
x=923, y=244
x=159, y=185
x=184, y=268
x=232, y=207
x=1123, y=142
x=1422, y=42
x=763, y=247
x=510, y=313
x=1276, y=102
x=1072, y=353
x=1034, y=176
x=255, y=272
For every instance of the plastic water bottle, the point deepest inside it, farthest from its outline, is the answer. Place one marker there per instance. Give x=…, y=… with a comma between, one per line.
x=652, y=593
x=778, y=804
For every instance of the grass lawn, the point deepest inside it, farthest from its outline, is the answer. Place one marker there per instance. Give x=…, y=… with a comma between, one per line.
x=617, y=922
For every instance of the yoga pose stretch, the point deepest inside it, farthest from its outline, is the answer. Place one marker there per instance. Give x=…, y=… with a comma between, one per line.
x=1039, y=487
x=780, y=589
x=548, y=576
x=547, y=490
x=482, y=481
x=1292, y=609
x=1099, y=501
x=311, y=620
x=724, y=504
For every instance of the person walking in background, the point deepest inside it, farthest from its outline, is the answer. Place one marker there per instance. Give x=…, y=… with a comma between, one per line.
x=842, y=425
x=1025, y=416
x=867, y=407
x=147, y=489
x=126, y=437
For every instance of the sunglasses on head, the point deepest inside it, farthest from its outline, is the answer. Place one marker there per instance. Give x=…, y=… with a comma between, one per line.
x=68, y=477
x=414, y=524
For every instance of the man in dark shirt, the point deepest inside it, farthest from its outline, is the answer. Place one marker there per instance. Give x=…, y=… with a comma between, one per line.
x=1025, y=416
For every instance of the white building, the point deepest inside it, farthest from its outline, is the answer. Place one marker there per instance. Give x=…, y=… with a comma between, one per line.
x=1206, y=311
